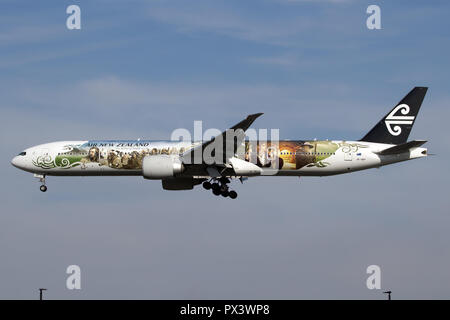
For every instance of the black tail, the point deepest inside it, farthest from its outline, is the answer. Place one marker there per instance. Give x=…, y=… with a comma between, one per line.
x=395, y=127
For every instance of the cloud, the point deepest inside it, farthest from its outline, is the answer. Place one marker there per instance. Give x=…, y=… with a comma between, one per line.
x=282, y=61
x=27, y=34
x=12, y=61
x=114, y=101
x=231, y=23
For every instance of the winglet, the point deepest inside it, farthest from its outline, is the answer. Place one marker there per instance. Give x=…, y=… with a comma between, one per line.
x=247, y=122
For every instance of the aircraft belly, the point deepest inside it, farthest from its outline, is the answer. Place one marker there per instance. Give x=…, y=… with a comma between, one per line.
x=89, y=172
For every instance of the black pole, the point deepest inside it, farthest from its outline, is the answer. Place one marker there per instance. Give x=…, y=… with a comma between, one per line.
x=40, y=293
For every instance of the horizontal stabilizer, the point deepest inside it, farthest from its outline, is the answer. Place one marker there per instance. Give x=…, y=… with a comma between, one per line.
x=404, y=147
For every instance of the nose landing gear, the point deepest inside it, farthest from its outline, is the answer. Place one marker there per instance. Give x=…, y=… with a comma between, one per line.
x=41, y=178
x=220, y=187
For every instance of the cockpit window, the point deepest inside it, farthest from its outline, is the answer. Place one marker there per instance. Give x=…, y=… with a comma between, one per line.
x=23, y=153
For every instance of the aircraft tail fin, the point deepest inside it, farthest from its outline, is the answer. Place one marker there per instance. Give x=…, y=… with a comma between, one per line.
x=395, y=127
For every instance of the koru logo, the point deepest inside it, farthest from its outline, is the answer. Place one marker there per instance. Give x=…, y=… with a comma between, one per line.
x=398, y=120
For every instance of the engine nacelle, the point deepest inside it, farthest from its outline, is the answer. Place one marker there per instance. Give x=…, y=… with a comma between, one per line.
x=161, y=166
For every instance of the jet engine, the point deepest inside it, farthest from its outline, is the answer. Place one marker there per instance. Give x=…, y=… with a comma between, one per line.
x=161, y=166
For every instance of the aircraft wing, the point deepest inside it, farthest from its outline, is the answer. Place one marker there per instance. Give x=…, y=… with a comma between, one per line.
x=195, y=155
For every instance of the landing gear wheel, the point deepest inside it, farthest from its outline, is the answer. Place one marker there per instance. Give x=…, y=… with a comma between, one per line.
x=220, y=187
x=43, y=188
x=207, y=185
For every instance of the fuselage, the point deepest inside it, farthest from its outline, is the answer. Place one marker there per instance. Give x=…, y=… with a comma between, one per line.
x=285, y=158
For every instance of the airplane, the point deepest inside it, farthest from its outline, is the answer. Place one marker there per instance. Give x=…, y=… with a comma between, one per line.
x=181, y=165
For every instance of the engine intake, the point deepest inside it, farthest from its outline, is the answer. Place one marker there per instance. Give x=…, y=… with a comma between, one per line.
x=161, y=166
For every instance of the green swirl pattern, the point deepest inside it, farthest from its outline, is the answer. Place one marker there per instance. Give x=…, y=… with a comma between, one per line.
x=62, y=162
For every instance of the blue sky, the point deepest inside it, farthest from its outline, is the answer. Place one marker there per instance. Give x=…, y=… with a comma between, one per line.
x=139, y=69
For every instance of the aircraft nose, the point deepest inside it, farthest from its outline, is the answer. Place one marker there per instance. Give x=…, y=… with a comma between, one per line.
x=16, y=162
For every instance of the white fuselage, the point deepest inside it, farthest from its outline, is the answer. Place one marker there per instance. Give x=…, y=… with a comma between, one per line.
x=110, y=158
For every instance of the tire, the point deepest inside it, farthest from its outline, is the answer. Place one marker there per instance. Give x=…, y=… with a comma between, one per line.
x=225, y=193
x=233, y=194
x=215, y=186
x=216, y=192
x=43, y=188
x=207, y=185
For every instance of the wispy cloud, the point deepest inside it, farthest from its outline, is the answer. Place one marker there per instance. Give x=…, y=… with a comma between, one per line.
x=105, y=100
x=283, y=61
x=27, y=34
x=231, y=23
x=24, y=58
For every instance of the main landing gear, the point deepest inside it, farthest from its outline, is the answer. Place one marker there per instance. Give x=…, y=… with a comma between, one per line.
x=220, y=187
x=41, y=178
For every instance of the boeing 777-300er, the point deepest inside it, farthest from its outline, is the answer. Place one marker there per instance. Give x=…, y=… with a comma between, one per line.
x=177, y=165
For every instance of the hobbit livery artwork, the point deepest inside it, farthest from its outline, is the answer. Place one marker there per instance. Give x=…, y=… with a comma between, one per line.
x=178, y=166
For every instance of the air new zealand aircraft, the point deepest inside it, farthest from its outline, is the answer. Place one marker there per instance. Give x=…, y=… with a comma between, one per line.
x=181, y=165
